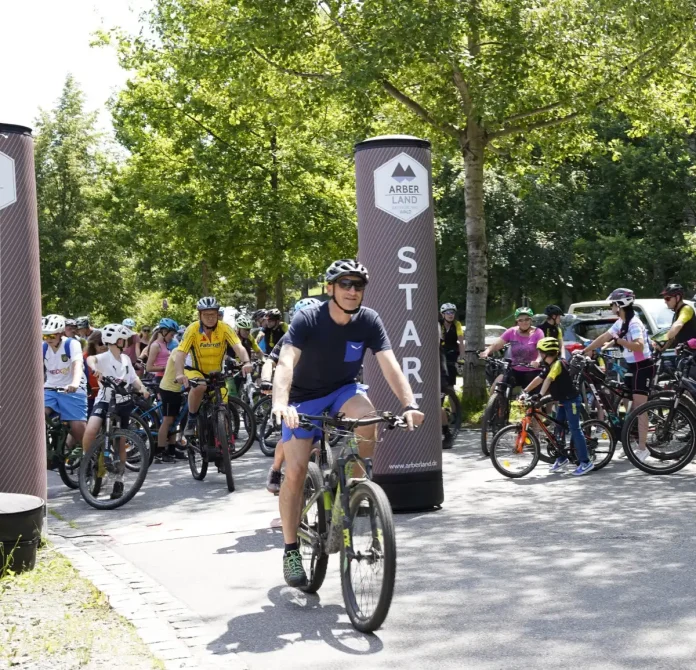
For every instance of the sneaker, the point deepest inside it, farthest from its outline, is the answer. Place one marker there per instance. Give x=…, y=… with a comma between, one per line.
x=118, y=490
x=190, y=427
x=559, y=464
x=293, y=571
x=583, y=469
x=180, y=454
x=273, y=481
x=167, y=458
x=447, y=439
x=642, y=455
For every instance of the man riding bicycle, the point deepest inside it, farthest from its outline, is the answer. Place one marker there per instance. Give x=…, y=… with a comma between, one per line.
x=206, y=340
x=321, y=356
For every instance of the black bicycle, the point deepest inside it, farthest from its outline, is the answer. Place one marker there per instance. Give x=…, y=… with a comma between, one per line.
x=214, y=439
x=58, y=455
x=117, y=455
x=344, y=510
x=670, y=423
x=497, y=413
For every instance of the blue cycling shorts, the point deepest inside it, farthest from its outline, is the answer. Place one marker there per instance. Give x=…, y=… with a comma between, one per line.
x=70, y=406
x=331, y=403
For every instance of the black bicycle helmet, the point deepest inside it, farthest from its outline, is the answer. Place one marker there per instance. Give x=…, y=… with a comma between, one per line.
x=273, y=314
x=672, y=290
x=553, y=310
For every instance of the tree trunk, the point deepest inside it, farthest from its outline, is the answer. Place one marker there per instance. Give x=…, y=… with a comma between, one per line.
x=205, y=279
x=279, y=293
x=261, y=294
x=473, y=148
x=305, y=288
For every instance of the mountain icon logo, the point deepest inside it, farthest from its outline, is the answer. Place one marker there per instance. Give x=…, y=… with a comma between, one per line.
x=403, y=175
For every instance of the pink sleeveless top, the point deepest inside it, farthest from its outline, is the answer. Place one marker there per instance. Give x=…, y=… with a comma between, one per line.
x=162, y=357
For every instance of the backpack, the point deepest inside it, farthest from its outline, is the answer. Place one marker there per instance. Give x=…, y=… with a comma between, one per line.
x=66, y=351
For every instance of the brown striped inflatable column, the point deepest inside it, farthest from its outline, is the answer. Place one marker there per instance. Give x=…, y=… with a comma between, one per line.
x=22, y=432
x=396, y=242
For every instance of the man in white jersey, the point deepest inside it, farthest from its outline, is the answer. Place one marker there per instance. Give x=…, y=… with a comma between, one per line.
x=64, y=367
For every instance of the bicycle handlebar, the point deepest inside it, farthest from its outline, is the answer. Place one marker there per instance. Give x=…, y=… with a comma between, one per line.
x=394, y=421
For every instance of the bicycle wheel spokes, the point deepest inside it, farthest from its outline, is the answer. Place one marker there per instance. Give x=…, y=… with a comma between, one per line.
x=105, y=481
x=314, y=520
x=514, y=453
x=671, y=442
x=369, y=569
x=600, y=442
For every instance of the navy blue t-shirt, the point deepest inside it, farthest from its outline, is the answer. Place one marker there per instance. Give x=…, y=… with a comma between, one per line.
x=332, y=354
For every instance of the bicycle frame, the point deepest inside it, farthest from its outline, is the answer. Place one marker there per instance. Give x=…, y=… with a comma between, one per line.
x=537, y=413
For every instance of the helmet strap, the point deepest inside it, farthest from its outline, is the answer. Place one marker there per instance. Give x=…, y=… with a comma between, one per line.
x=347, y=311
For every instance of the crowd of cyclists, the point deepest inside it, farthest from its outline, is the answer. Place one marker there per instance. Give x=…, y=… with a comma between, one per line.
x=312, y=366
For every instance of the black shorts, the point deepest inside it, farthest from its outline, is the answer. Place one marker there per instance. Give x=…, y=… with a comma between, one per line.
x=171, y=402
x=451, y=358
x=638, y=377
x=124, y=411
x=523, y=377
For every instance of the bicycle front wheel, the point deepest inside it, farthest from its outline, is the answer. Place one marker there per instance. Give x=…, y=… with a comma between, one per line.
x=69, y=467
x=100, y=466
x=226, y=440
x=241, y=413
x=513, y=454
x=267, y=432
x=671, y=437
x=453, y=410
x=142, y=428
x=313, y=520
x=368, y=561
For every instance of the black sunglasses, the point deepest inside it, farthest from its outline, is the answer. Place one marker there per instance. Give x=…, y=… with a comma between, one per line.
x=146, y=330
x=347, y=284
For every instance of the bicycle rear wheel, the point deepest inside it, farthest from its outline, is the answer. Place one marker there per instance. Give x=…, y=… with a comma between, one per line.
x=495, y=417
x=99, y=467
x=226, y=441
x=313, y=557
x=267, y=432
x=368, y=564
x=241, y=413
x=511, y=455
x=453, y=410
x=69, y=467
x=670, y=441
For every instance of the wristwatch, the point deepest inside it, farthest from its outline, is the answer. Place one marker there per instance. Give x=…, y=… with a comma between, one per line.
x=411, y=406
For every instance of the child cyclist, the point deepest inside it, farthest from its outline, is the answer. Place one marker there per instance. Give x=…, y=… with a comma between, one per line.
x=555, y=379
x=113, y=363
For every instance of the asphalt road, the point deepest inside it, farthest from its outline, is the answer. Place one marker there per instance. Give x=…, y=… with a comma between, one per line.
x=548, y=571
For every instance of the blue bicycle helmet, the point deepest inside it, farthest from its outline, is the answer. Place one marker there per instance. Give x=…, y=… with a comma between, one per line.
x=304, y=303
x=169, y=324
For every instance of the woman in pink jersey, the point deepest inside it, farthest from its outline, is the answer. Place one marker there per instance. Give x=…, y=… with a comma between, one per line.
x=522, y=339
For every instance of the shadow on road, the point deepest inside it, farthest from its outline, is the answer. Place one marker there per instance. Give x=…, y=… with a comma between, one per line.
x=293, y=617
x=262, y=539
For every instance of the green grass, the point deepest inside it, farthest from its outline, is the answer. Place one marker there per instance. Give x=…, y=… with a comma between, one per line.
x=52, y=615
x=56, y=514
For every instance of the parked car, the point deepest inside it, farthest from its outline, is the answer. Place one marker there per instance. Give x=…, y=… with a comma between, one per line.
x=492, y=333
x=653, y=312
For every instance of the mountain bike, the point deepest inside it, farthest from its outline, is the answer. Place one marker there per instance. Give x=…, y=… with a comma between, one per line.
x=515, y=450
x=351, y=514
x=58, y=454
x=214, y=439
x=671, y=436
x=449, y=403
x=116, y=454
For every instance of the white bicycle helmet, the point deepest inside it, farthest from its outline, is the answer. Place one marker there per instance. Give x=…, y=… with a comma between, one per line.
x=114, y=332
x=53, y=324
x=209, y=302
x=244, y=322
x=343, y=267
x=623, y=297
x=445, y=306
x=304, y=303
x=128, y=323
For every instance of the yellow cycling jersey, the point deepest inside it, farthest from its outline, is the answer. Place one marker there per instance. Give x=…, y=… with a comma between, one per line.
x=207, y=354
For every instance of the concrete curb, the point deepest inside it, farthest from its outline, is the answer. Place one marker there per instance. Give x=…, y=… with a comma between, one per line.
x=172, y=632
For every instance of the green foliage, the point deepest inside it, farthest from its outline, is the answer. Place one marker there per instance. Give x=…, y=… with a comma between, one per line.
x=148, y=309
x=83, y=265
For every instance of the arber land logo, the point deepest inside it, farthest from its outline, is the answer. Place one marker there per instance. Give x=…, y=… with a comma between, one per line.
x=8, y=189
x=401, y=187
